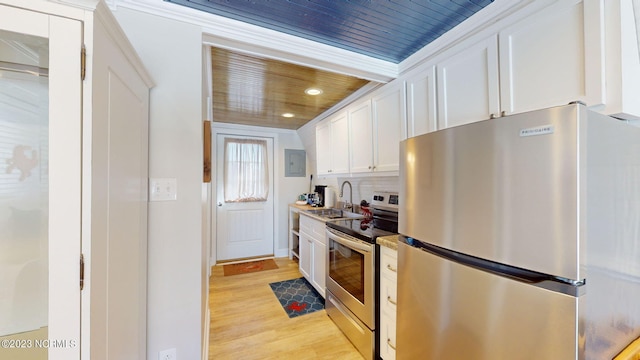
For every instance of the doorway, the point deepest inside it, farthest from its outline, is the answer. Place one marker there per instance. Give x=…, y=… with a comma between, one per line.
x=244, y=197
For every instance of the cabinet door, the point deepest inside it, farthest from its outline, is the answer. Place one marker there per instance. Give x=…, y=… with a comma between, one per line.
x=340, y=144
x=468, y=86
x=323, y=148
x=319, y=266
x=552, y=58
x=40, y=186
x=421, y=101
x=388, y=116
x=306, y=242
x=361, y=137
x=387, y=337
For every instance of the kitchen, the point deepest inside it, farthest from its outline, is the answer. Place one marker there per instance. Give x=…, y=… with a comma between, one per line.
x=177, y=267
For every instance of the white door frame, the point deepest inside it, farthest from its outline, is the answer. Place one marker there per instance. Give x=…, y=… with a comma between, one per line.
x=241, y=130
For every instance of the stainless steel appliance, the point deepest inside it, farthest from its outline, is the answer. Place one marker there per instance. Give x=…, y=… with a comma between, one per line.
x=520, y=238
x=352, y=277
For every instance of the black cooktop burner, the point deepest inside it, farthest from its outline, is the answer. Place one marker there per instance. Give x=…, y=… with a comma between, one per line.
x=362, y=229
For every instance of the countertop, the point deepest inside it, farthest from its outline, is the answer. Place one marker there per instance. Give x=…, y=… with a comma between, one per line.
x=303, y=209
x=390, y=241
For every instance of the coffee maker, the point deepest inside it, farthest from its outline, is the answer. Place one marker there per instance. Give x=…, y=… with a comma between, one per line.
x=320, y=190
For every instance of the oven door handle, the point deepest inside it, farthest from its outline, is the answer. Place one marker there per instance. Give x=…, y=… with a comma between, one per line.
x=348, y=243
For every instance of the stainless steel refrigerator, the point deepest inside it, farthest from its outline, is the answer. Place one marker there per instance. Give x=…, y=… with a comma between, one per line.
x=520, y=239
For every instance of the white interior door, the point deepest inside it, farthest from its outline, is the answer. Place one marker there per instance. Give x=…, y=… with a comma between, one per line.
x=40, y=185
x=115, y=325
x=244, y=225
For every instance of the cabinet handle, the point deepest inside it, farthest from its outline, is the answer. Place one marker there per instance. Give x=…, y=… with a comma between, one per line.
x=391, y=301
x=391, y=268
x=503, y=113
x=374, y=167
x=369, y=167
x=390, y=345
x=492, y=116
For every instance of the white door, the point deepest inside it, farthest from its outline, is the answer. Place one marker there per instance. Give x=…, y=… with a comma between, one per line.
x=244, y=217
x=115, y=324
x=40, y=185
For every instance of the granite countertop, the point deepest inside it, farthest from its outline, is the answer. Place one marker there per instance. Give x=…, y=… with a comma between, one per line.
x=390, y=241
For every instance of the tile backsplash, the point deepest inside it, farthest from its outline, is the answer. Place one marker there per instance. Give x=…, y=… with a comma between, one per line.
x=363, y=187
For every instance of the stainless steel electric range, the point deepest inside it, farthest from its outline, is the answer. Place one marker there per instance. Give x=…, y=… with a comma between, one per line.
x=353, y=271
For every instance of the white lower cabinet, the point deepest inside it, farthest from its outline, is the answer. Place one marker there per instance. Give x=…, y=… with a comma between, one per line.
x=313, y=252
x=388, y=302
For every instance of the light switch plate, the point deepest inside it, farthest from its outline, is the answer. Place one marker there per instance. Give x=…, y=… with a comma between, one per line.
x=163, y=189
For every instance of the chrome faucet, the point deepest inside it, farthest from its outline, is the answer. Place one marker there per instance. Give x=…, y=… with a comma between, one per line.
x=348, y=205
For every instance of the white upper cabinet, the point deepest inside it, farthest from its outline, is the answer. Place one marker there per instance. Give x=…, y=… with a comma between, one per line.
x=323, y=151
x=340, y=144
x=389, y=115
x=332, y=145
x=549, y=58
x=421, y=100
x=622, y=58
x=376, y=126
x=361, y=126
x=365, y=137
x=468, y=84
x=552, y=58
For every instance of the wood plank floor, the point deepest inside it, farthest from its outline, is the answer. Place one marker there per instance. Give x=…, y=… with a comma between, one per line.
x=247, y=321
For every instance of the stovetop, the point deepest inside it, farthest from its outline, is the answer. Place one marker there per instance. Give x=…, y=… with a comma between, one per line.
x=362, y=229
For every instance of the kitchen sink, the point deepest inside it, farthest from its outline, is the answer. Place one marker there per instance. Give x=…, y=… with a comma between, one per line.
x=333, y=213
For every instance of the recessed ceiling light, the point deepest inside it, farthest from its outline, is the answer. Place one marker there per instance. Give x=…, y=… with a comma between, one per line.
x=288, y=115
x=313, y=91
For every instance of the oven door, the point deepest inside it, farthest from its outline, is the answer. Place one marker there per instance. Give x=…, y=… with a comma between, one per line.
x=351, y=276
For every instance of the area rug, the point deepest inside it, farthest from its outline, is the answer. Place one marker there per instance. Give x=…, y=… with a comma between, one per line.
x=297, y=297
x=249, y=267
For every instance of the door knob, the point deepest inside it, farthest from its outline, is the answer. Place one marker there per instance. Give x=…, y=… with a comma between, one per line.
x=219, y=204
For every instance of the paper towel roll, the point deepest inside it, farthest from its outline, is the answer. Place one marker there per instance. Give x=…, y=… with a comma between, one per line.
x=328, y=197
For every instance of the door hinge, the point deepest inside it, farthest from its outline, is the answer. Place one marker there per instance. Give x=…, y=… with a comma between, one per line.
x=83, y=62
x=81, y=271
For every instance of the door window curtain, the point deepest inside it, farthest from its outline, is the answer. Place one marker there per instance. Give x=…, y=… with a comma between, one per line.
x=245, y=170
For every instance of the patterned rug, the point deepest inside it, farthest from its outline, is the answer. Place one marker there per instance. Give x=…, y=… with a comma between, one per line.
x=249, y=267
x=297, y=297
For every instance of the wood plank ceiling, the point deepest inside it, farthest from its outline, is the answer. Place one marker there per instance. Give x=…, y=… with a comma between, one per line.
x=389, y=30
x=250, y=90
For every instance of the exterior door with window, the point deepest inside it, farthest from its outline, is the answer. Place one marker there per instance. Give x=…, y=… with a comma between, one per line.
x=244, y=217
x=40, y=185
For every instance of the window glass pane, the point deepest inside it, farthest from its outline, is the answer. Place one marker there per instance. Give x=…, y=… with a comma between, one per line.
x=24, y=190
x=245, y=170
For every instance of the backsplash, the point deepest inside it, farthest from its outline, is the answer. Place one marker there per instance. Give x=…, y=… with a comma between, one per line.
x=363, y=187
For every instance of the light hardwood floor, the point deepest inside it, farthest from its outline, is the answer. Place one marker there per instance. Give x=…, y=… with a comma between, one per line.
x=247, y=321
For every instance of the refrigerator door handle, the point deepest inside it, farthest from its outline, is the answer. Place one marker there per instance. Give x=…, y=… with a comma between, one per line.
x=553, y=283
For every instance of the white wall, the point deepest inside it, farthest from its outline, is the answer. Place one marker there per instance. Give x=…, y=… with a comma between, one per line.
x=288, y=190
x=172, y=52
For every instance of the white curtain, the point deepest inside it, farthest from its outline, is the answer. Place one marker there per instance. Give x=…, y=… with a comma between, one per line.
x=245, y=170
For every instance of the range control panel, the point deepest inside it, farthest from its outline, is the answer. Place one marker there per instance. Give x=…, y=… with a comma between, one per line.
x=385, y=199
